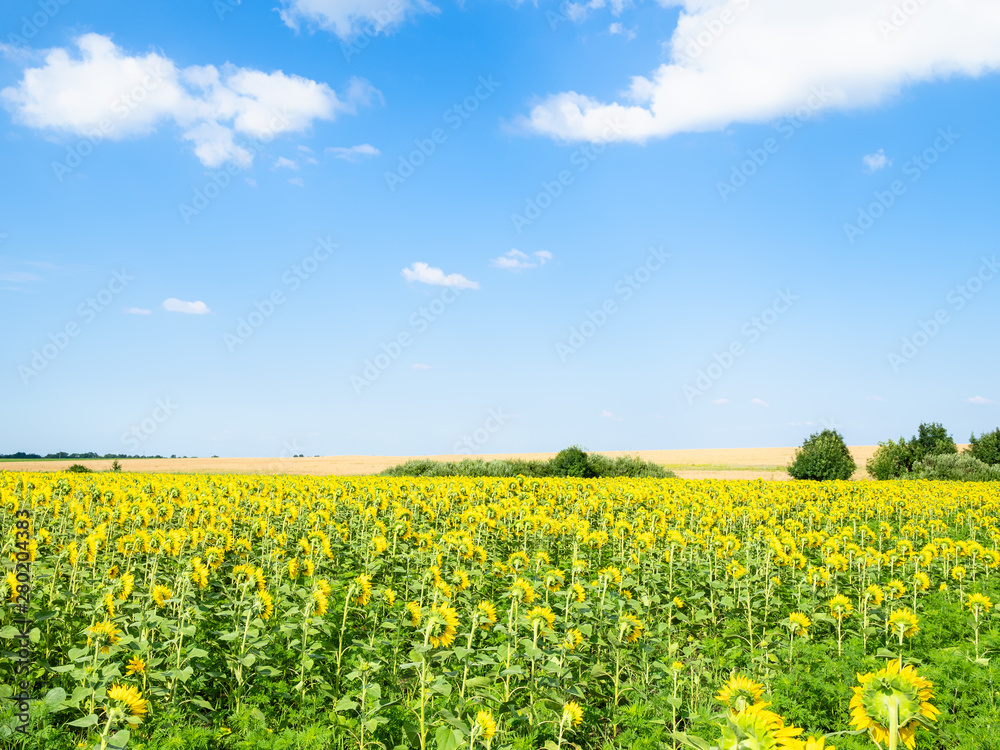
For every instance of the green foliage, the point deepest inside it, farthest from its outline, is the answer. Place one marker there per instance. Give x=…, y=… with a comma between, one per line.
x=567, y=463
x=79, y=469
x=823, y=456
x=932, y=439
x=986, y=447
x=961, y=467
x=891, y=460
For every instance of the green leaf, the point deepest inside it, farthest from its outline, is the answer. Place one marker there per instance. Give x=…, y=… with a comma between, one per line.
x=197, y=653
x=448, y=738
x=345, y=704
x=9, y=631
x=86, y=721
x=55, y=695
x=119, y=739
x=201, y=703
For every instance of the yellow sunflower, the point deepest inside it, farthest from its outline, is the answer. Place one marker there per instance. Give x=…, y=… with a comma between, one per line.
x=892, y=696
x=739, y=692
x=129, y=699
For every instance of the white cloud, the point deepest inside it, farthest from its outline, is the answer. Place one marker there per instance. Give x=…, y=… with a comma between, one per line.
x=138, y=310
x=282, y=163
x=980, y=400
x=773, y=58
x=616, y=28
x=875, y=162
x=426, y=274
x=720, y=401
x=759, y=402
x=354, y=153
x=347, y=18
x=298, y=181
x=608, y=415
x=515, y=260
x=18, y=277
x=101, y=88
x=190, y=308
x=418, y=366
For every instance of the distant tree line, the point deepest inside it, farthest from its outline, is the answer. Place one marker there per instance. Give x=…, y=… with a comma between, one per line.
x=26, y=456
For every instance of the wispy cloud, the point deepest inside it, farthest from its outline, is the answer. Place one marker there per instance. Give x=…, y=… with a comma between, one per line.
x=608, y=415
x=515, y=260
x=425, y=274
x=282, y=163
x=982, y=400
x=875, y=162
x=354, y=153
x=137, y=311
x=18, y=277
x=759, y=402
x=297, y=181
x=181, y=306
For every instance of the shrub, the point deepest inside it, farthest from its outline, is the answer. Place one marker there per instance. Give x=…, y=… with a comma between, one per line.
x=823, y=455
x=571, y=462
x=961, y=467
x=890, y=460
x=79, y=469
x=986, y=447
x=931, y=440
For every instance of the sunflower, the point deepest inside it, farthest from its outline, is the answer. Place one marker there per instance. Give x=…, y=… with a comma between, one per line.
x=517, y=561
x=522, y=591
x=554, y=579
x=103, y=635
x=129, y=699
x=322, y=602
x=979, y=603
x=679, y=603
x=739, y=692
x=875, y=595
x=921, y=581
x=488, y=614
x=487, y=726
x=579, y=592
x=109, y=604
x=541, y=616
x=677, y=666
x=896, y=588
x=389, y=595
x=799, y=623
x=135, y=666
x=902, y=622
x=460, y=580
x=572, y=714
x=629, y=628
x=757, y=727
x=293, y=568
x=160, y=594
x=415, y=613
x=840, y=606
x=958, y=573
x=892, y=695
x=364, y=584
x=266, y=603
x=573, y=639
x=609, y=574
x=442, y=625
x=817, y=743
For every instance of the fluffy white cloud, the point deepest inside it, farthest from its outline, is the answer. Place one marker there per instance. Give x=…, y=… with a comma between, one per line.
x=875, y=162
x=181, y=306
x=137, y=311
x=349, y=18
x=282, y=163
x=515, y=260
x=733, y=61
x=104, y=90
x=982, y=400
x=354, y=153
x=426, y=274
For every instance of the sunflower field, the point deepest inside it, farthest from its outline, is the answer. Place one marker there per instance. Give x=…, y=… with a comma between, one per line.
x=223, y=611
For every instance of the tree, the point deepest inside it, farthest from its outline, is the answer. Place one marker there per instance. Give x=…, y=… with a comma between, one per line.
x=571, y=462
x=932, y=440
x=890, y=460
x=986, y=447
x=823, y=456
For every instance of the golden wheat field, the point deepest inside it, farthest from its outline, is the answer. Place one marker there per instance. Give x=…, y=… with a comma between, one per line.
x=170, y=610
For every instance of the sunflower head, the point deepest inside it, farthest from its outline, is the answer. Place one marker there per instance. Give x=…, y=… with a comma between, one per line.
x=487, y=614
x=543, y=617
x=798, y=623
x=442, y=625
x=889, y=691
x=487, y=725
x=903, y=622
x=740, y=692
x=572, y=714
x=135, y=666
x=840, y=606
x=756, y=727
x=103, y=635
x=630, y=628
x=128, y=700
x=978, y=604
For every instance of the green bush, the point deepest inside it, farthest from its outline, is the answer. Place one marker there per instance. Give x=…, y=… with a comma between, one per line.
x=961, y=467
x=567, y=463
x=571, y=462
x=931, y=440
x=79, y=469
x=986, y=447
x=822, y=456
x=890, y=460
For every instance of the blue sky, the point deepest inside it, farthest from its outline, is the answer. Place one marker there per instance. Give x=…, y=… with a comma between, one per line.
x=572, y=215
